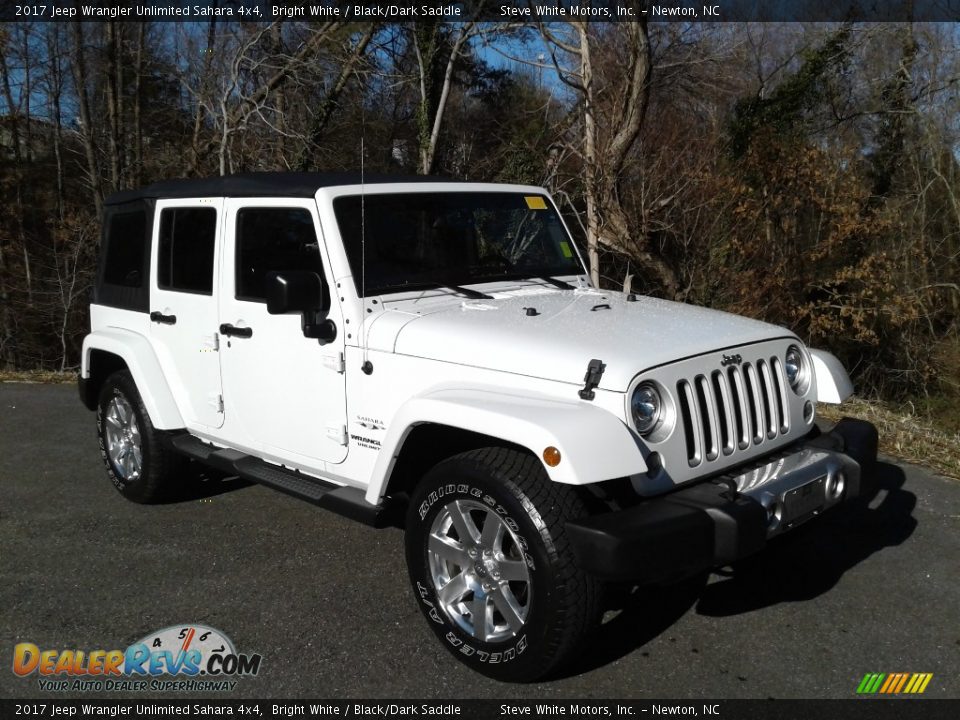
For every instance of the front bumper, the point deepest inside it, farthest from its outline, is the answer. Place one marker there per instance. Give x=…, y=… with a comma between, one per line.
x=717, y=522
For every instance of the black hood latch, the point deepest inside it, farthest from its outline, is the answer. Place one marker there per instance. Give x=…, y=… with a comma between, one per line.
x=594, y=372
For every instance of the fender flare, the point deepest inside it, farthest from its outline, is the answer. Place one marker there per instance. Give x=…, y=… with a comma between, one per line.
x=833, y=382
x=137, y=352
x=594, y=444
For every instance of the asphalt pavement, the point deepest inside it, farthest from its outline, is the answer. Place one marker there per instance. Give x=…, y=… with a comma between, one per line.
x=326, y=601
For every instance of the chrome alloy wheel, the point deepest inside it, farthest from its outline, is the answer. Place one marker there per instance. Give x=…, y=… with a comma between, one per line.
x=124, y=447
x=477, y=566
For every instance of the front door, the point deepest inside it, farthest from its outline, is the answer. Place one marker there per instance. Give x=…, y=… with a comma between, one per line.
x=284, y=393
x=183, y=305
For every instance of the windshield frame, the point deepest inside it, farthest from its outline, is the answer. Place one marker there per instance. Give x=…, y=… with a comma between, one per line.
x=573, y=266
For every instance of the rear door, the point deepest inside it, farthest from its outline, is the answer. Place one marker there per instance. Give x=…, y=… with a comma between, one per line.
x=284, y=393
x=184, y=301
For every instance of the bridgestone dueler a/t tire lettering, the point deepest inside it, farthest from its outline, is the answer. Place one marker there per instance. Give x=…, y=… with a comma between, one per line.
x=161, y=470
x=563, y=603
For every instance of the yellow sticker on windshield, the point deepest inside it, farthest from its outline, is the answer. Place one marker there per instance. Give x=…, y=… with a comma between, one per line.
x=535, y=202
x=565, y=249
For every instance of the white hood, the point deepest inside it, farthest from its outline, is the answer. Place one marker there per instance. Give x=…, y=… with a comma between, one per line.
x=569, y=329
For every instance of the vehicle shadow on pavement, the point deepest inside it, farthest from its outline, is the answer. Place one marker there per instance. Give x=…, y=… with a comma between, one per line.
x=808, y=562
x=203, y=482
x=640, y=614
x=800, y=566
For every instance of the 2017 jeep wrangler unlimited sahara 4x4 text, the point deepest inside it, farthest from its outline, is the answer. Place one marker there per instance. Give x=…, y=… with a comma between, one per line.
x=430, y=354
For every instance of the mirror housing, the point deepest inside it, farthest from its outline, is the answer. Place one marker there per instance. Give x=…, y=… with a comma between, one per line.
x=301, y=291
x=294, y=291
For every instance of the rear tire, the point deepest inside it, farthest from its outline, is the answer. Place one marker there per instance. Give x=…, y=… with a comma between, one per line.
x=492, y=568
x=138, y=463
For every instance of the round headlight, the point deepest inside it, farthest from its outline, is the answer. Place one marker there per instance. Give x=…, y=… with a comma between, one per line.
x=795, y=365
x=646, y=405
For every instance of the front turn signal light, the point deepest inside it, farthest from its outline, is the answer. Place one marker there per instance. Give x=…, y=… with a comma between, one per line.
x=551, y=456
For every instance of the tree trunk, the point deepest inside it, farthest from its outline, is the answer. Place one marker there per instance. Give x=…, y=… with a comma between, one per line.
x=114, y=76
x=56, y=92
x=329, y=104
x=18, y=152
x=86, y=131
x=608, y=137
x=590, y=155
x=136, y=179
x=429, y=158
x=195, y=150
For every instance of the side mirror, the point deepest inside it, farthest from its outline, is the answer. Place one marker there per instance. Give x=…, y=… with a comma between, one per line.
x=301, y=291
x=294, y=291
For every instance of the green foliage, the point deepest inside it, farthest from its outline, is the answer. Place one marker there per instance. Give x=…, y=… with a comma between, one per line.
x=785, y=110
x=818, y=237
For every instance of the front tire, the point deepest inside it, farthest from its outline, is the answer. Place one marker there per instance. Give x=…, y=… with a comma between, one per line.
x=492, y=568
x=138, y=463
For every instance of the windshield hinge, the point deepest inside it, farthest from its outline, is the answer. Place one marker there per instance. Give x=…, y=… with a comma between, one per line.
x=594, y=372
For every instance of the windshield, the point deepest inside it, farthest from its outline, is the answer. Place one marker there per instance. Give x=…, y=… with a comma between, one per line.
x=422, y=240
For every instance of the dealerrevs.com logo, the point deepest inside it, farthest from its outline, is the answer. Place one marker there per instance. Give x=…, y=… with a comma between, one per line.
x=178, y=658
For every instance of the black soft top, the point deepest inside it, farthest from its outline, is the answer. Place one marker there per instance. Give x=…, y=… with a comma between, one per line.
x=259, y=184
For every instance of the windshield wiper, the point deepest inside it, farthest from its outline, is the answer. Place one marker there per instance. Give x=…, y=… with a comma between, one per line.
x=470, y=293
x=400, y=287
x=556, y=282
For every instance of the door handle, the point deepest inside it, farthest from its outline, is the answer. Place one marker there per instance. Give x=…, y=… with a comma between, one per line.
x=234, y=331
x=159, y=317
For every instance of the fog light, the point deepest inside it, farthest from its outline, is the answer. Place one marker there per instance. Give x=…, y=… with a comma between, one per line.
x=551, y=456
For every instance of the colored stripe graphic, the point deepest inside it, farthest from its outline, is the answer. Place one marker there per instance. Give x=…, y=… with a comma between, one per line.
x=900, y=684
x=890, y=680
x=894, y=683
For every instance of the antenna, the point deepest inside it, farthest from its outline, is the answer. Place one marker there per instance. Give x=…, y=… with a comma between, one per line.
x=367, y=366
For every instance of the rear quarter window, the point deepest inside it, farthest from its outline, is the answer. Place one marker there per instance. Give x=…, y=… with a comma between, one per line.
x=126, y=249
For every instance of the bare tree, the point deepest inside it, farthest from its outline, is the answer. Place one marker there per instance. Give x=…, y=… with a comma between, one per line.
x=432, y=44
x=608, y=133
x=87, y=129
x=355, y=54
x=248, y=83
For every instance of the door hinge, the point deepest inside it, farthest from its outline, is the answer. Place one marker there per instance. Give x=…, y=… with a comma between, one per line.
x=337, y=433
x=216, y=401
x=334, y=362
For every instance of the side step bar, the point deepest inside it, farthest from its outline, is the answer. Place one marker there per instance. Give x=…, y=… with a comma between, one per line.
x=346, y=501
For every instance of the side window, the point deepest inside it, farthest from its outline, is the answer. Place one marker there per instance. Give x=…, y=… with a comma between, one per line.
x=274, y=240
x=126, y=248
x=186, y=248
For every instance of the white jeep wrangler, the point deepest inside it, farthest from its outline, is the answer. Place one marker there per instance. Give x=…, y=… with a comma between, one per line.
x=430, y=354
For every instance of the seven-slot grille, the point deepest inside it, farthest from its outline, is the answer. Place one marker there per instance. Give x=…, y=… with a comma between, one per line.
x=733, y=409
